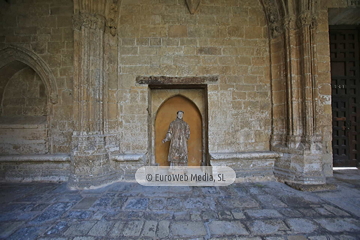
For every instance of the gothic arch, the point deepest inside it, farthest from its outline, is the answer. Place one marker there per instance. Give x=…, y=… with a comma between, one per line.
x=15, y=58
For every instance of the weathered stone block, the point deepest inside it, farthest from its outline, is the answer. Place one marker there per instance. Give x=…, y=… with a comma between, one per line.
x=177, y=31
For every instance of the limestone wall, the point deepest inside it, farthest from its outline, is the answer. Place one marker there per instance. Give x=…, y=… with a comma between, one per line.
x=45, y=29
x=224, y=38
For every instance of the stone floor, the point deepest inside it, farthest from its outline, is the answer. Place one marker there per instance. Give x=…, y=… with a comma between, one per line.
x=268, y=210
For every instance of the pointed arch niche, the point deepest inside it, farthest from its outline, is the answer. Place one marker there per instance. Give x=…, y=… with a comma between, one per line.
x=164, y=104
x=27, y=92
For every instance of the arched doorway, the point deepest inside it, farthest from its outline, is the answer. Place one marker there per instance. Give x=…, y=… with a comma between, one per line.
x=165, y=115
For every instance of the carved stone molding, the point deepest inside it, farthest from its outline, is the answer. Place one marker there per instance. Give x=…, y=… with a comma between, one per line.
x=307, y=19
x=88, y=20
x=193, y=5
x=16, y=53
x=274, y=20
x=111, y=23
x=164, y=80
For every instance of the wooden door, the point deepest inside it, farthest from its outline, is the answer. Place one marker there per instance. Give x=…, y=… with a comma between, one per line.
x=345, y=83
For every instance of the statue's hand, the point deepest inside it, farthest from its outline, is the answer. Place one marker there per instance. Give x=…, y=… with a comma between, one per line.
x=163, y=141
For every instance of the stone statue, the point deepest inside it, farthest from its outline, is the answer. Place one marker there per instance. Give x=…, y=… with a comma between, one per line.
x=178, y=134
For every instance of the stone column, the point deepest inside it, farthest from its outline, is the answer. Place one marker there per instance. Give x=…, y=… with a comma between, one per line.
x=90, y=160
x=292, y=29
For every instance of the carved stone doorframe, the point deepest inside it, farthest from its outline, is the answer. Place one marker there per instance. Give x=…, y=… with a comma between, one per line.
x=193, y=88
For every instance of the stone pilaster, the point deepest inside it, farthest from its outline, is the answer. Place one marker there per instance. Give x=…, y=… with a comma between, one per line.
x=90, y=160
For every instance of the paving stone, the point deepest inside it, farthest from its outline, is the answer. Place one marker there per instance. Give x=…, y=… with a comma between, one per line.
x=81, y=228
x=340, y=224
x=238, y=202
x=101, y=228
x=79, y=214
x=40, y=207
x=52, y=238
x=267, y=227
x=83, y=238
x=157, y=204
x=227, y=228
x=225, y=215
x=27, y=233
x=195, y=216
x=274, y=238
x=317, y=238
x=181, y=216
x=263, y=213
x=7, y=228
x=132, y=228
x=174, y=203
x=137, y=203
x=53, y=212
x=300, y=225
x=187, y=229
x=118, y=202
x=163, y=229
x=72, y=197
x=149, y=229
x=209, y=190
x=238, y=214
x=158, y=215
x=290, y=212
x=241, y=191
x=323, y=211
x=297, y=237
x=129, y=215
x=309, y=212
x=335, y=210
x=206, y=215
x=85, y=203
x=117, y=229
x=58, y=228
x=256, y=190
x=270, y=201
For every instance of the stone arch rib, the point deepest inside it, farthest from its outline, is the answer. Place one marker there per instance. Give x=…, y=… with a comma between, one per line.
x=15, y=53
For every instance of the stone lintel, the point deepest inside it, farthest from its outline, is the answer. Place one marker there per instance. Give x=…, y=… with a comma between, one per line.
x=36, y=158
x=164, y=80
x=127, y=157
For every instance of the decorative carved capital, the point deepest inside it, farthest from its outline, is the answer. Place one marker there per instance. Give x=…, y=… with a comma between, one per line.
x=307, y=19
x=88, y=20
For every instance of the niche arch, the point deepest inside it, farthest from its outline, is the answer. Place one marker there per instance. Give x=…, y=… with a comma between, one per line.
x=15, y=58
x=163, y=106
x=165, y=115
x=14, y=61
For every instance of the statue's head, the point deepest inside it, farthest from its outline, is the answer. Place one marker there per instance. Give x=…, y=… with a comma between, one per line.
x=180, y=114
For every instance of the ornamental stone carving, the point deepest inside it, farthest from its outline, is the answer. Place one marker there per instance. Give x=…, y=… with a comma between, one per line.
x=307, y=19
x=88, y=20
x=274, y=20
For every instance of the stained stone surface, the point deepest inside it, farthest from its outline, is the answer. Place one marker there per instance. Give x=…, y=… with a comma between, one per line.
x=266, y=211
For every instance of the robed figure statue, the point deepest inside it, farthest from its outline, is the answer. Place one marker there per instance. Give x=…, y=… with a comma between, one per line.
x=178, y=134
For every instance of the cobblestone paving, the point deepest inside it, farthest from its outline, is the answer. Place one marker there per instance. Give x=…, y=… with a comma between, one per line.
x=268, y=210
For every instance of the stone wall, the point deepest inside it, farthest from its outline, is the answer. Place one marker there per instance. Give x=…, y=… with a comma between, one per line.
x=227, y=39
x=24, y=95
x=45, y=29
